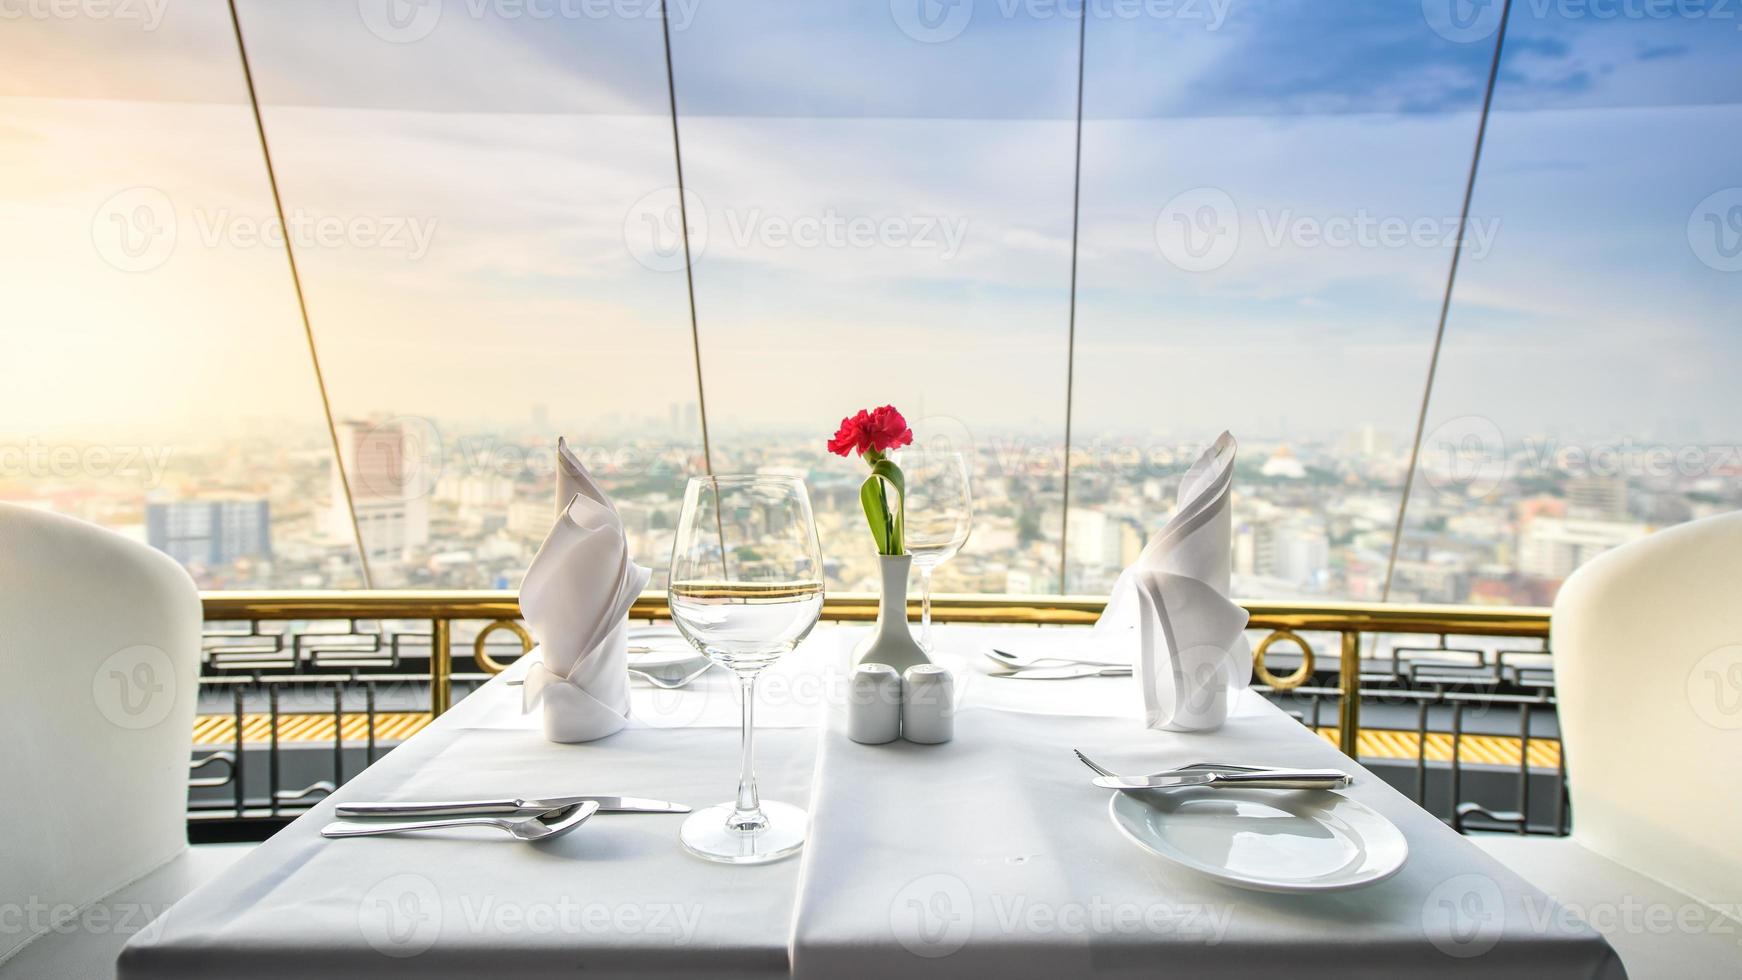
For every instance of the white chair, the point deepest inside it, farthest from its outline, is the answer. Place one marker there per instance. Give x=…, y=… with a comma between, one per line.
x=99, y=667
x=1647, y=646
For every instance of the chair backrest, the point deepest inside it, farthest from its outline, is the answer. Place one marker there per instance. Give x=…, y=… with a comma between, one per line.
x=1648, y=662
x=99, y=662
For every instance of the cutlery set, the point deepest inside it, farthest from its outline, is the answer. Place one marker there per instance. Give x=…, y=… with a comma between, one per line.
x=527, y=820
x=1053, y=668
x=545, y=819
x=1218, y=776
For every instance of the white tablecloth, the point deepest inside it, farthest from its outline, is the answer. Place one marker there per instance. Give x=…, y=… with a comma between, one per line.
x=990, y=853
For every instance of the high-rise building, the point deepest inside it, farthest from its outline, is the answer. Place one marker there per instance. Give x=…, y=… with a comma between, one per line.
x=1602, y=498
x=389, y=467
x=1552, y=547
x=210, y=532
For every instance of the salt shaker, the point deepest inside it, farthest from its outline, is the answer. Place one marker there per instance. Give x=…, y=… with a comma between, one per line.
x=928, y=705
x=874, y=704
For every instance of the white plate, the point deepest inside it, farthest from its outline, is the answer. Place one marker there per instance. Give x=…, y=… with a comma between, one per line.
x=1267, y=839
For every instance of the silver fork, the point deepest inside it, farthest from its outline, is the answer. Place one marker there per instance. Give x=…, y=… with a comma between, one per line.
x=1101, y=770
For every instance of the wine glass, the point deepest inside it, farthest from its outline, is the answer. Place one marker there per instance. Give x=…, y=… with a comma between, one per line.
x=940, y=512
x=746, y=587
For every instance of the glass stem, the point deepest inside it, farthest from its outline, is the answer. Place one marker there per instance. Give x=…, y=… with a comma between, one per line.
x=747, y=814
x=925, y=608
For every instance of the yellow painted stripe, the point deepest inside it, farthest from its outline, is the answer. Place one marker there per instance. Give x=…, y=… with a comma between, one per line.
x=1493, y=750
x=394, y=726
x=390, y=726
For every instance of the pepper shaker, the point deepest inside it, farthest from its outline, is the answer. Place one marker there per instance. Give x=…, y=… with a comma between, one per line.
x=874, y=704
x=928, y=705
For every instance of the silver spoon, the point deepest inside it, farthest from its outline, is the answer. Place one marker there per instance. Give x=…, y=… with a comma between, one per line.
x=544, y=826
x=668, y=683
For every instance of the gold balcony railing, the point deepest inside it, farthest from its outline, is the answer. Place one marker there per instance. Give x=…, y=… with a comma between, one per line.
x=1286, y=621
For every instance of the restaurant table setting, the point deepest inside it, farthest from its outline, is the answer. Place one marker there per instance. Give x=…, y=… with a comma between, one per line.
x=994, y=850
x=1016, y=803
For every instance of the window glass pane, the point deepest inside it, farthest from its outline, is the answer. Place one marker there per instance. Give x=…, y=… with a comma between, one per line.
x=466, y=185
x=1269, y=194
x=894, y=228
x=1586, y=394
x=156, y=379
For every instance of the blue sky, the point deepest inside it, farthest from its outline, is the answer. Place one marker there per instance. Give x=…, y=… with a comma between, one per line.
x=534, y=142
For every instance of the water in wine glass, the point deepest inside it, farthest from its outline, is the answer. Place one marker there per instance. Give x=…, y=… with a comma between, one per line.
x=746, y=626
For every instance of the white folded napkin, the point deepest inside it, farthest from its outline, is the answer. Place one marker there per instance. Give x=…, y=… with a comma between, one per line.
x=575, y=599
x=1173, y=605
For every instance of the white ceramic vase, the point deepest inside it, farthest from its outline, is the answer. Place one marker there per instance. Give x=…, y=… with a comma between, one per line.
x=891, y=643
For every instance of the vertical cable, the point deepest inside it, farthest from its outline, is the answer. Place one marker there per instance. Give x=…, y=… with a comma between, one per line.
x=301, y=302
x=1071, y=329
x=689, y=275
x=1433, y=364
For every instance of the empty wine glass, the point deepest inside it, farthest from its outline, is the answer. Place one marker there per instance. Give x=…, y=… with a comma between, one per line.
x=940, y=513
x=746, y=588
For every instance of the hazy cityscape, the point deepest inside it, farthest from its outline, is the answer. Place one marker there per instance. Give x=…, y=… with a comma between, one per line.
x=443, y=506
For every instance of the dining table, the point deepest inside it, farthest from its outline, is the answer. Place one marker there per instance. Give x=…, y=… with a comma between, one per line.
x=991, y=855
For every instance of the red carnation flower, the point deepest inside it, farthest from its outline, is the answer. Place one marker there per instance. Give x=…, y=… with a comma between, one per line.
x=880, y=430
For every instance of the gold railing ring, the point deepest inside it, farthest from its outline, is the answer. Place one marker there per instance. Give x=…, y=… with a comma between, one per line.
x=490, y=664
x=1292, y=681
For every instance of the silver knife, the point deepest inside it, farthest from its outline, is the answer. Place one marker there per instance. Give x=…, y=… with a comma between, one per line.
x=1061, y=673
x=514, y=807
x=1258, y=779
